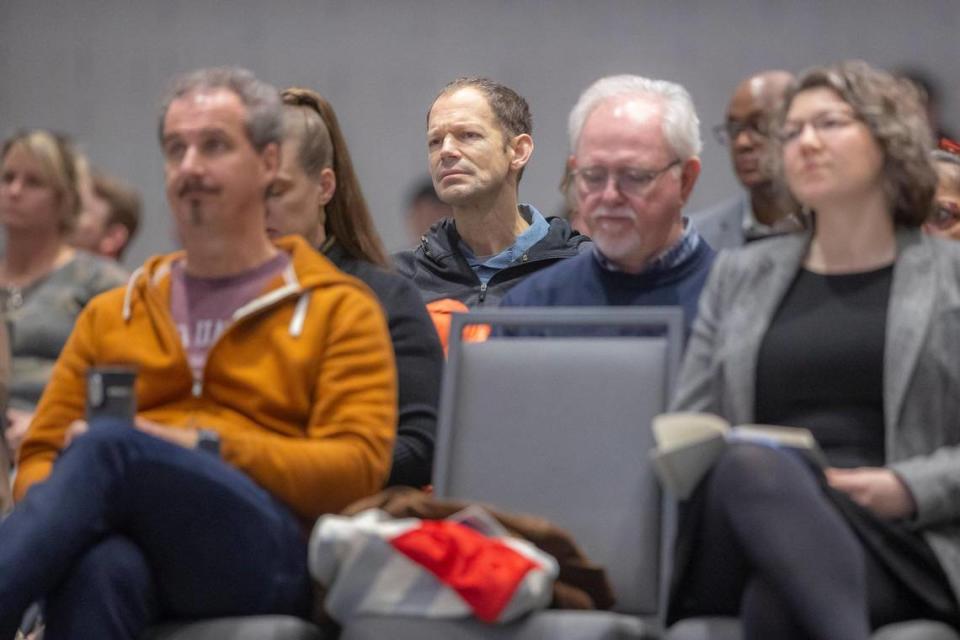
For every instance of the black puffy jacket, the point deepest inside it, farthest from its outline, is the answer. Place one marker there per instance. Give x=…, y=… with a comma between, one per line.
x=440, y=270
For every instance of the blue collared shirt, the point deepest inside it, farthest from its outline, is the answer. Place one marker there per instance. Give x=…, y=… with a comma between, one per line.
x=667, y=260
x=486, y=266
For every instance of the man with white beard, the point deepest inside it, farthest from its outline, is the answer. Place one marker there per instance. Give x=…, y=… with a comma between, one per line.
x=634, y=144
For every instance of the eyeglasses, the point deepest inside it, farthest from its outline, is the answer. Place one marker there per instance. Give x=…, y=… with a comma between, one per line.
x=825, y=125
x=945, y=215
x=630, y=181
x=731, y=129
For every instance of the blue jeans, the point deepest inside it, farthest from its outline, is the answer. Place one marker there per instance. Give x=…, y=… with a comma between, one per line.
x=129, y=528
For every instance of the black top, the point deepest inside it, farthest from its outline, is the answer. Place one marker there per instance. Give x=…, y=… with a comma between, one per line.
x=820, y=364
x=419, y=366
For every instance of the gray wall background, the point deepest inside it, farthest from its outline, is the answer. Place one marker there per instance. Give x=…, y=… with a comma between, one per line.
x=96, y=69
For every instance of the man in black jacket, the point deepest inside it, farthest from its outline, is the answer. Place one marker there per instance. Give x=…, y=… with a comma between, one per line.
x=478, y=139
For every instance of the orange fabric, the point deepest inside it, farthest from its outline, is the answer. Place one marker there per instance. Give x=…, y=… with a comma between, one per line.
x=441, y=312
x=311, y=418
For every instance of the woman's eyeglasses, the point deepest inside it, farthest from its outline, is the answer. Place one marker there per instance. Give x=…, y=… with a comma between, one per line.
x=825, y=125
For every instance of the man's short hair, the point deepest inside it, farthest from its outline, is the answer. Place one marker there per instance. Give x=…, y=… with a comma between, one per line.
x=264, y=122
x=681, y=126
x=124, y=203
x=508, y=106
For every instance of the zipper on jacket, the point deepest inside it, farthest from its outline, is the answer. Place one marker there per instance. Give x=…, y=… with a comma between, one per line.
x=241, y=315
x=483, y=292
x=252, y=308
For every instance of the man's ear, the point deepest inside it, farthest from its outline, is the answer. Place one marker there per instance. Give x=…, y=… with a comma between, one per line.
x=270, y=157
x=328, y=185
x=688, y=177
x=113, y=240
x=566, y=185
x=522, y=147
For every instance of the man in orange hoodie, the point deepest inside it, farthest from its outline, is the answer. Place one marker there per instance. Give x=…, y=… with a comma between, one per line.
x=266, y=396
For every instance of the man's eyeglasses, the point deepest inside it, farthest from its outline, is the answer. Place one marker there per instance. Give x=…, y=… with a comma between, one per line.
x=945, y=215
x=731, y=129
x=630, y=181
x=825, y=125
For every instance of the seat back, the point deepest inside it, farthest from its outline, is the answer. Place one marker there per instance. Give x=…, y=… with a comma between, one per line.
x=560, y=427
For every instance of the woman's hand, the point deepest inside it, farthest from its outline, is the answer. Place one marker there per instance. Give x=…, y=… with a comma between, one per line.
x=875, y=488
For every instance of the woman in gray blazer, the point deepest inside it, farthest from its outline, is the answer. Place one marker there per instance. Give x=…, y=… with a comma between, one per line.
x=853, y=331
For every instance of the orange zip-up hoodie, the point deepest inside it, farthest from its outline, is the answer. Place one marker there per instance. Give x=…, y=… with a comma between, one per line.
x=301, y=386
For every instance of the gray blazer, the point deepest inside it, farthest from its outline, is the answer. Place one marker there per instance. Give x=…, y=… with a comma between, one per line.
x=722, y=224
x=921, y=376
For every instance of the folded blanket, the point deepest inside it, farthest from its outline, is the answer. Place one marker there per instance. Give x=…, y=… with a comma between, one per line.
x=466, y=565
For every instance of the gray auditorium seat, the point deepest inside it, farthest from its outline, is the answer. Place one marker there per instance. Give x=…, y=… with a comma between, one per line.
x=546, y=625
x=723, y=628
x=559, y=427
x=916, y=630
x=240, y=628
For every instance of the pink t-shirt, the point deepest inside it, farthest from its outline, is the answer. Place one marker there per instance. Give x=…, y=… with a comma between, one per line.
x=203, y=307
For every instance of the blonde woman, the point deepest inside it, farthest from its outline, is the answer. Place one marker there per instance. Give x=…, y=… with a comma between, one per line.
x=44, y=283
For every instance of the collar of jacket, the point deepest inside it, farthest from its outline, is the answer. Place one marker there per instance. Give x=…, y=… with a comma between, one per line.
x=307, y=271
x=439, y=244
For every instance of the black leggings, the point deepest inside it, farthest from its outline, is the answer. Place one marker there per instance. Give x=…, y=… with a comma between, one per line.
x=761, y=539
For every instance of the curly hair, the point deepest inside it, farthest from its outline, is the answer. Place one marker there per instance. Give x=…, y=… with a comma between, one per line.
x=322, y=145
x=892, y=109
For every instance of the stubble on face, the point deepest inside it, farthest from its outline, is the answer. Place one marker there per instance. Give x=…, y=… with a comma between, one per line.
x=624, y=133
x=215, y=177
x=468, y=151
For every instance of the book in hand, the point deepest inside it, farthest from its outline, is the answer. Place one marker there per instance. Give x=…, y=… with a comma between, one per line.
x=688, y=445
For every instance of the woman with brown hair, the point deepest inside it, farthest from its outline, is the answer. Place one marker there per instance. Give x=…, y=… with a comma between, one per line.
x=44, y=283
x=316, y=194
x=850, y=330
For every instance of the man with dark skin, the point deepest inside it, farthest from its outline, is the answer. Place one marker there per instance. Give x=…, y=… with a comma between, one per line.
x=762, y=211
